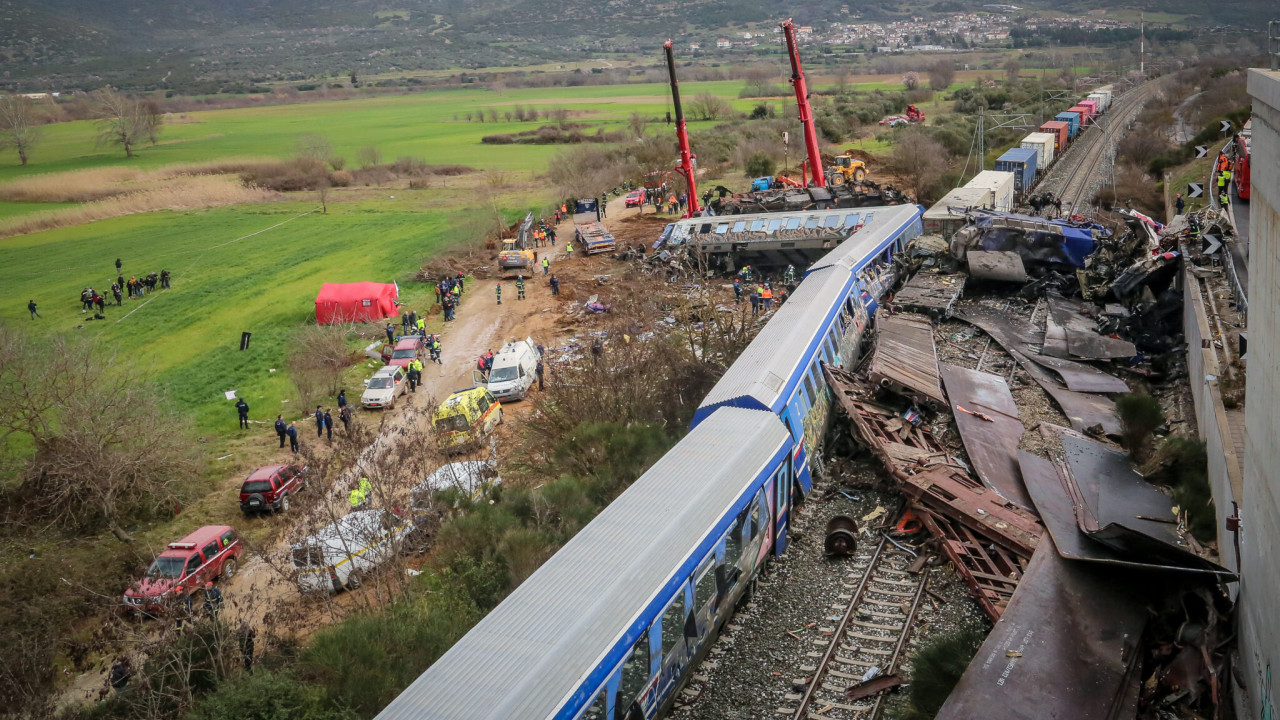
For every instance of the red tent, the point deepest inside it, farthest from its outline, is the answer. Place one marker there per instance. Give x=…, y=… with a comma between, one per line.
x=356, y=302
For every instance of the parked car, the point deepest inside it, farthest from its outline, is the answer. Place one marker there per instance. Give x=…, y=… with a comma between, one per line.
x=407, y=349
x=343, y=553
x=384, y=387
x=206, y=554
x=635, y=198
x=268, y=488
x=514, y=370
x=465, y=418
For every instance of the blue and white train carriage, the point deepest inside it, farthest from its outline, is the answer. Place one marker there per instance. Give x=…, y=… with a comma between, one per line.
x=824, y=320
x=612, y=625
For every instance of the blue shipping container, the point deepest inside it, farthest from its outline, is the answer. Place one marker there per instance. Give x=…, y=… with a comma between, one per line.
x=1022, y=163
x=1072, y=120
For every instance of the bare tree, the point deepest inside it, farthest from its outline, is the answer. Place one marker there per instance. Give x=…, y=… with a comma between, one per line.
x=19, y=124
x=318, y=356
x=843, y=76
x=123, y=120
x=705, y=106
x=107, y=450
x=1011, y=69
x=911, y=80
x=368, y=155
x=313, y=146
x=941, y=74
x=918, y=159
x=637, y=124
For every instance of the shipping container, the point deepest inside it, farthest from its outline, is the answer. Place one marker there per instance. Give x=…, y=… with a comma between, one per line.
x=1073, y=123
x=1110, y=92
x=999, y=184
x=1102, y=98
x=1060, y=132
x=1022, y=163
x=1093, y=109
x=1043, y=143
x=1083, y=112
x=941, y=221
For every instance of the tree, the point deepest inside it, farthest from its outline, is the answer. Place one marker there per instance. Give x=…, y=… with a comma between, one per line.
x=919, y=159
x=705, y=106
x=842, y=80
x=637, y=124
x=368, y=156
x=1011, y=69
x=19, y=124
x=123, y=120
x=107, y=450
x=911, y=80
x=313, y=146
x=941, y=74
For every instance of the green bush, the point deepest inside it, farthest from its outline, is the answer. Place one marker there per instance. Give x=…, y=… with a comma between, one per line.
x=1191, y=491
x=760, y=165
x=1140, y=415
x=937, y=668
x=365, y=661
x=265, y=695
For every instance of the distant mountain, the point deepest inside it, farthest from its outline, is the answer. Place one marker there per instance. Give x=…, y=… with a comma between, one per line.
x=65, y=44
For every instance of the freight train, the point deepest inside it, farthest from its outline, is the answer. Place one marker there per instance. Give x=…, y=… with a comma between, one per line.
x=612, y=626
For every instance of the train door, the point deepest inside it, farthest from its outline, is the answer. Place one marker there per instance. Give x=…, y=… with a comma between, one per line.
x=704, y=597
x=675, y=644
x=782, y=506
x=630, y=697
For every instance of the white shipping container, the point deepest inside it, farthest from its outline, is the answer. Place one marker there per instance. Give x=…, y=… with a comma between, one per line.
x=940, y=221
x=999, y=184
x=1102, y=98
x=1042, y=143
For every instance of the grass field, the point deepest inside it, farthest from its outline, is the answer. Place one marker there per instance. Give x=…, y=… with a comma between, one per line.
x=225, y=281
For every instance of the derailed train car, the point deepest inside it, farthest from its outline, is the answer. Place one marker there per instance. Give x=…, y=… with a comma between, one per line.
x=612, y=625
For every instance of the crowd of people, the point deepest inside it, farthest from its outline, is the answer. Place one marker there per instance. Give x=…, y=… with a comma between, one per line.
x=760, y=292
x=92, y=301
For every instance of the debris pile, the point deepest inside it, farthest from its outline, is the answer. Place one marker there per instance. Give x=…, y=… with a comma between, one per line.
x=863, y=193
x=1120, y=612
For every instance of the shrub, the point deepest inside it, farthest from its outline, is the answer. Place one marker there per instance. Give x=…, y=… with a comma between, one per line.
x=340, y=178
x=1140, y=415
x=267, y=696
x=937, y=668
x=760, y=165
x=1191, y=489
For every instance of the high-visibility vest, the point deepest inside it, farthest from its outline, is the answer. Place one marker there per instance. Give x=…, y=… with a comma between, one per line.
x=360, y=494
x=422, y=323
x=546, y=262
x=568, y=247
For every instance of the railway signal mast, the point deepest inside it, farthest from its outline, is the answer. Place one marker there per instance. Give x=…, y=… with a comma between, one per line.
x=802, y=100
x=682, y=135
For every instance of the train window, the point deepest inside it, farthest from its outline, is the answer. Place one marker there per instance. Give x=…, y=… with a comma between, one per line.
x=704, y=229
x=755, y=520
x=811, y=223
x=597, y=710
x=757, y=225
x=705, y=590
x=722, y=228
x=808, y=388
x=831, y=221
x=740, y=226
x=775, y=224
x=869, y=217
x=635, y=675
x=793, y=223
x=733, y=541
x=851, y=220
x=673, y=623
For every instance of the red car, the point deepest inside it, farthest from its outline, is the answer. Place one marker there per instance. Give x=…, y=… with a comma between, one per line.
x=406, y=350
x=635, y=198
x=268, y=488
x=199, y=558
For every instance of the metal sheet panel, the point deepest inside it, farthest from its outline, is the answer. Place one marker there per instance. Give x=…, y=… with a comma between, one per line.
x=1066, y=647
x=906, y=359
x=1005, y=266
x=525, y=657
x=991, y=438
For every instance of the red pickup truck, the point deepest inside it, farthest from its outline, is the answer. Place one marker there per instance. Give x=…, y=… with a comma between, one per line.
x=185, y=565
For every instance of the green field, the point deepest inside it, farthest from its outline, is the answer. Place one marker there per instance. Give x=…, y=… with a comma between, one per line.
x=222, y=285
x=419, y=125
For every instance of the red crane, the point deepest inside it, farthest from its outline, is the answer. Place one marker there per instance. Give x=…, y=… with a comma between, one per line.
x=802, y=100
x=682, y=134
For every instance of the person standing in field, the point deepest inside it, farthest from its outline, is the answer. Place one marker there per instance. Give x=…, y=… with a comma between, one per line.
x=344, y=415
x=242, y=408
x=292, y=432
x=281, y=429
x=31, y=308
x=328, y=424
x=319, y=422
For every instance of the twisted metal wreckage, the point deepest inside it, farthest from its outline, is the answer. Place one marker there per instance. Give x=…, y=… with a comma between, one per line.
x=1121, y=613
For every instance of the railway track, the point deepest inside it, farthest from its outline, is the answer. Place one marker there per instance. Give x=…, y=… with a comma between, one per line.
x=1073, y=190
x=872, y=630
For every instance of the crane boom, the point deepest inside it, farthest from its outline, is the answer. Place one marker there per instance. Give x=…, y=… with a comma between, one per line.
x=682, y=135
x=802, y=100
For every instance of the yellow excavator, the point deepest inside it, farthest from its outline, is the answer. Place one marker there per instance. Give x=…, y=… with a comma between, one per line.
x=847, y=169
x=518, y=256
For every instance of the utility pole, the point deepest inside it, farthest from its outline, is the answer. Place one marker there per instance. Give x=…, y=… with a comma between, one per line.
x=1142, y=45
x=982, y=139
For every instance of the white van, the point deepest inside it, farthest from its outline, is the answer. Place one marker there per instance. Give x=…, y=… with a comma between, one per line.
x=514, y=370
x=342, y=554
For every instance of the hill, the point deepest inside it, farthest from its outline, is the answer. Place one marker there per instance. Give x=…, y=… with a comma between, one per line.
x=210, y=47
